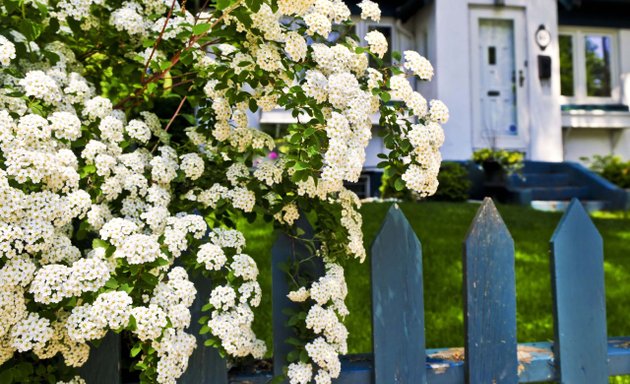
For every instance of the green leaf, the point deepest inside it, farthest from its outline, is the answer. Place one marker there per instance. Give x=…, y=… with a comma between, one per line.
x=294, y=341
x=112, y=283
x=222, y=4
x=300, y=165
x=165, y=65
x=98, y=243
x=87, y=170
x=135, y=350
x=278, y=380
x=29, y=29
x=399, y=185
x=149, y=278
x=396, y=56
x=187, y=57
x=293, y=356
x=254, y=5
x=253, y=106
x=201, y=28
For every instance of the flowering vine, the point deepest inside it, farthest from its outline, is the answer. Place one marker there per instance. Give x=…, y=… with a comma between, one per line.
x=127, y=155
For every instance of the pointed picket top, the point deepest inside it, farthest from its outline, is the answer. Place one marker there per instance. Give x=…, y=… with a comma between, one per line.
x=577, y=279
x=490, y=299
x=397, y=303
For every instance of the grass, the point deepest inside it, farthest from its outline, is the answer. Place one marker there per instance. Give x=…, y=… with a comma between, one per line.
x=441, y=228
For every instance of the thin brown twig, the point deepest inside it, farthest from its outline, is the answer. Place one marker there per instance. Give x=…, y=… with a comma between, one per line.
x=178, y=84
x=179, y=107
x=159, y=39
x=176, y=57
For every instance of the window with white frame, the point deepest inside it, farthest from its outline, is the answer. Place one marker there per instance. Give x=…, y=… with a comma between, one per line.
x=588, y=65
x=387, y=28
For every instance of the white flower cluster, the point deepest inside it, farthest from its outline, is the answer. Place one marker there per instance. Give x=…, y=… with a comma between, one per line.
x=232, y=316
x=69, y=156
x=192, y=164
x=40, y=198
x=323, y=318
x=426, y=139
x=352, y=221
x=348, y=126
x=370, y=10
x=300, y=373
x=270, y=172
x=288, y=215
x=377, y=42
x=7, y=51
x=421, y=176
x=171, y=299
x=418, y=65
x=74, y=380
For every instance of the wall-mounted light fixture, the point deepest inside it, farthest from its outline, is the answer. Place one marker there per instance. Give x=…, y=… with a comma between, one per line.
x=543, y=37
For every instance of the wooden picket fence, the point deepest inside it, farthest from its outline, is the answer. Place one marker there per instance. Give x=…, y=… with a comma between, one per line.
x=580, y=354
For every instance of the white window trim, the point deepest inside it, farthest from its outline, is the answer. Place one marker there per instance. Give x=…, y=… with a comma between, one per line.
x=579, y=66
x=362, y=27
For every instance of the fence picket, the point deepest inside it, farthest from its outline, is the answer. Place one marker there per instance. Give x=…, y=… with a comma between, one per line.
x=207, y=366
x=398, y=303
x=284, y=250
x=577, y=278
x=103, y=365
x=490, y=300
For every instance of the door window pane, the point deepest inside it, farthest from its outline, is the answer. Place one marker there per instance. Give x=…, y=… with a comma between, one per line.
x=566, y=66
x=597, y=51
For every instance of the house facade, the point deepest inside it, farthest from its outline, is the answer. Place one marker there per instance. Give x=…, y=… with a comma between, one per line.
x=545, y=77
x=548, y=78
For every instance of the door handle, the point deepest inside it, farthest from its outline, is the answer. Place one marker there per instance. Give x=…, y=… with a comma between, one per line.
x=521, y=78
x=494, y=93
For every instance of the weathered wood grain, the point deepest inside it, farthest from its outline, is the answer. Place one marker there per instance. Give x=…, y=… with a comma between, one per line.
x=577, y=278
x=490, y=300
x=397, y=303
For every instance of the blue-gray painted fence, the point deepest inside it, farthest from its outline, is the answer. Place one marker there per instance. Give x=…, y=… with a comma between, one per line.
x=397, y=303
x=286, y=249
x=581, y=353
x=489, y=300
x=579, y=299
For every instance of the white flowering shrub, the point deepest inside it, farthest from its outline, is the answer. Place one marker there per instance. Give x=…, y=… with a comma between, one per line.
x=127, y=155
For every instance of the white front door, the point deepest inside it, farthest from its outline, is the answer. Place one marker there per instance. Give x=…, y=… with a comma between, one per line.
x=499, y=79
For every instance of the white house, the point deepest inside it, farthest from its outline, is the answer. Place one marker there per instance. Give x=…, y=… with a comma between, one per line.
x=545, y=77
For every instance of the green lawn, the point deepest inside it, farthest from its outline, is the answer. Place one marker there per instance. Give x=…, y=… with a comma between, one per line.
x=441, y=228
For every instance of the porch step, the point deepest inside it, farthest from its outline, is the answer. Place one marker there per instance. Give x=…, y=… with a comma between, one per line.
x=562, y=205
x=559, y=193
x=541, y=180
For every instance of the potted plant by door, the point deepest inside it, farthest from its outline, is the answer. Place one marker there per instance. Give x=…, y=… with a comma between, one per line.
x=498, y=164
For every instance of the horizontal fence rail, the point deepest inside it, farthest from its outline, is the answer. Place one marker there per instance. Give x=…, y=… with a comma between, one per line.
x=580, y=353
